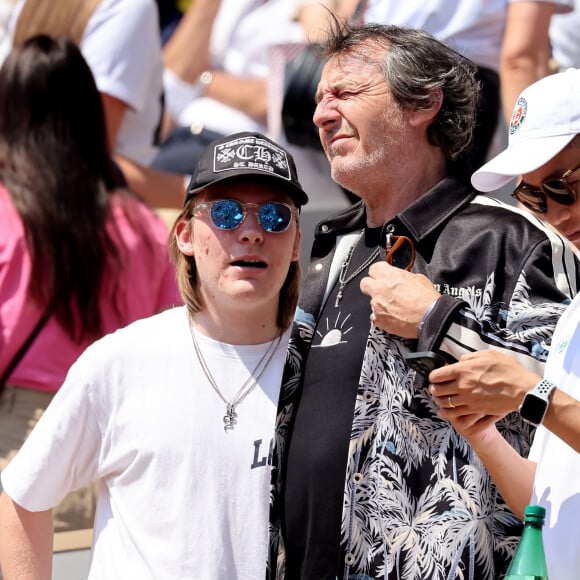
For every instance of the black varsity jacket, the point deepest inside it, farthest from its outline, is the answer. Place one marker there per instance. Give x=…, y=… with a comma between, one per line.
x=418, y=502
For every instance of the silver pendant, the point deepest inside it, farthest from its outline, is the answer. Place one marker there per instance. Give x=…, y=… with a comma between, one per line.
x=229, y=418
x=338, y=297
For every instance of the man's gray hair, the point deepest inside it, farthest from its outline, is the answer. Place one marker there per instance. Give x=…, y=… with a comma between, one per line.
x=418, y=69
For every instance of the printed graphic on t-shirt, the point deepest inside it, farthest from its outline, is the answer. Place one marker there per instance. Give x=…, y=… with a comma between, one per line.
x=332, y=332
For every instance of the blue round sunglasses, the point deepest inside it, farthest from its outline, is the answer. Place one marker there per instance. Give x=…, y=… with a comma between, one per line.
x=275, y=217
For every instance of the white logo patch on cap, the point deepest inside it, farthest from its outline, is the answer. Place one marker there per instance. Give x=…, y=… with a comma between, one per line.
x=251, y=153
x=518, y=115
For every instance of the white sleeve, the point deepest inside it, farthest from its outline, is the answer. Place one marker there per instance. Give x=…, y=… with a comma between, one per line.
x=122, y=44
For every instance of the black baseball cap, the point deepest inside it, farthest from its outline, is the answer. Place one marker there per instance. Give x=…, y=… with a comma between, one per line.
x=250, y=157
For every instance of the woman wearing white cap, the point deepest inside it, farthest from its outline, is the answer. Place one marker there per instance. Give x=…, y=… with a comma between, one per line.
x=474, y=393
x=545, y=150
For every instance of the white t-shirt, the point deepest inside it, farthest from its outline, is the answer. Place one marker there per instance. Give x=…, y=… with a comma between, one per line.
x=122, y=45
x=242, y=34
x=557, y=482
x=565, y=38
x=473, y=28
x=179, y=497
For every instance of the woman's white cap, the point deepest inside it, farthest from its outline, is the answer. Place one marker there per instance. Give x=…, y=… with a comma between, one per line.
x=546, y=117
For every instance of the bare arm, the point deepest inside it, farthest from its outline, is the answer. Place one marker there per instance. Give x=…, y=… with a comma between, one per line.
x=526, y=51
x=249, y=95
x=314, y=16
x=25, y=542
x=187, y=55
x=563, y=418
x=114, y=110
x=346, y=8
x=157, y=188
x=512, y=474
x=187, y=51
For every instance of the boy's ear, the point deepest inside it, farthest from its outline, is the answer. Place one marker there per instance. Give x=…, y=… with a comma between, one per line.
x=184, y=237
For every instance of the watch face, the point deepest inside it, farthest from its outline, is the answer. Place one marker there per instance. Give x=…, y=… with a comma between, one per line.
x=533, y=409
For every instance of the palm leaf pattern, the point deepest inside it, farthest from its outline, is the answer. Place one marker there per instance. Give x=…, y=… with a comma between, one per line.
x=418, y=503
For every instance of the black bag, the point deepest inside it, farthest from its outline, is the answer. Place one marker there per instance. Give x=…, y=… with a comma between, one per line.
x=302, y=77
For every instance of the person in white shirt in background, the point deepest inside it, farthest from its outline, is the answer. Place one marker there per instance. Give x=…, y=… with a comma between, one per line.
x=216, y=68
x=565, y=39
x=121, y=41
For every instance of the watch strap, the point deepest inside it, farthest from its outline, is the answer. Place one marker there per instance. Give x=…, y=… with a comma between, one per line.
x=543, y=389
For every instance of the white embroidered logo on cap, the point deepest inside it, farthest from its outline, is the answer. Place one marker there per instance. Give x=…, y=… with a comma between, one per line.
x=518, y=115
x=251, y=153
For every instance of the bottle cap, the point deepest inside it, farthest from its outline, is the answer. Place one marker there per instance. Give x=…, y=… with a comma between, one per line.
x=534, y=513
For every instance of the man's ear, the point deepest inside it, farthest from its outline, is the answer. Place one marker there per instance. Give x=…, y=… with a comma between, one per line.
x=184, y=237
x=426, y=115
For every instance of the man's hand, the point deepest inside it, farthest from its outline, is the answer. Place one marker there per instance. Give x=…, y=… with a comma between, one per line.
x=399, y=299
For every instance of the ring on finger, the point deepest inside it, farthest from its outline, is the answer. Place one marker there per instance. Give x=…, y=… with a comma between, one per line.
x=451, y=405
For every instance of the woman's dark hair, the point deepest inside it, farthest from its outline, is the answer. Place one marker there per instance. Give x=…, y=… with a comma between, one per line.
x=55, y=163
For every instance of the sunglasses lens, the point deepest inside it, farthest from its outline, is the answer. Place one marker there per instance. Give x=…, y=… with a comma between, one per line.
x=275, y=217
x=226, y=214
x=559, y=191
x=400, y=251
x=533, y=199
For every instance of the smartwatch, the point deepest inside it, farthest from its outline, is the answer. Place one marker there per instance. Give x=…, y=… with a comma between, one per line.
x=536, y=401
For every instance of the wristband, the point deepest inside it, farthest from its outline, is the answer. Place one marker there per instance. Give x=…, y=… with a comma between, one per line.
x=427, y=312
x=205, y=79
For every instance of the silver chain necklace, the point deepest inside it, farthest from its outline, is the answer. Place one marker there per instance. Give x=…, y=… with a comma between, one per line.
x=343, y=280
x=248, y=386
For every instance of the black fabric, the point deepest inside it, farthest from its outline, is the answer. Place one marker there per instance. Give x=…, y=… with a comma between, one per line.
x=169, y=17
x=317, y=450
x=302, y=77
x=496, y=271
x=486, y=118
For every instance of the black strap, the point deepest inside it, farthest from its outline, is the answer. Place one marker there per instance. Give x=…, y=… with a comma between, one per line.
x=22, y=351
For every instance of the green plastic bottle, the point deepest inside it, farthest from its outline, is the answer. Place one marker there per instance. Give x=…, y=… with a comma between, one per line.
x=529, y=561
